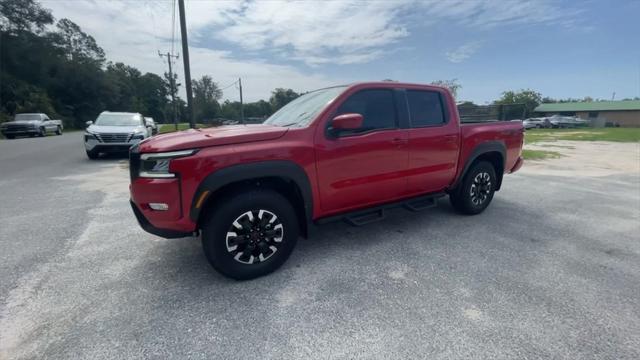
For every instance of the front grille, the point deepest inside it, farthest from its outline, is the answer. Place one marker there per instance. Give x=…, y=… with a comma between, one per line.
x=15, y=127
x=134, y=162
x=113, y=138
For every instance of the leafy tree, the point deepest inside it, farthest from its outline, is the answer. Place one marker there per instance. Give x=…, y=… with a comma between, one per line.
x=230, y=110
x=206, y=94
x=23, y=15
x=281, y=97
x=77, y=45
x=529, y=99
x=152, y=93
x=452, y=85
x=258, y=109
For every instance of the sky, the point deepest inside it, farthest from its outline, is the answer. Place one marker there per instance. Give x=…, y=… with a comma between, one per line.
x=559, y=48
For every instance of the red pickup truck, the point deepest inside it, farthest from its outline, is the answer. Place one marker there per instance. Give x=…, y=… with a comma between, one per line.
x=344, y=152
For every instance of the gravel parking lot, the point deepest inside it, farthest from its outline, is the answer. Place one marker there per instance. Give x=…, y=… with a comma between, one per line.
x=550, y=270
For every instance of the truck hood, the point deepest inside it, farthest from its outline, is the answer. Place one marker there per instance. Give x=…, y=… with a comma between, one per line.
x=222, y=135
x=99, y=129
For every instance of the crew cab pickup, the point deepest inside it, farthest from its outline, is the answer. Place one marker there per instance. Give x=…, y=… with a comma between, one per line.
x=31, y=124
x=345, y=152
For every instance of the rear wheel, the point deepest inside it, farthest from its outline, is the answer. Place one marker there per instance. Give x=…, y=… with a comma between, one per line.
x=58, y=130
x=250, y=234
x=476, y=191
x=42, y=132
x=10, y=136
x=92, y=154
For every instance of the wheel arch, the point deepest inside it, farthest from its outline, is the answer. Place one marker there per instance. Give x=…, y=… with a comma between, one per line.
x=494, y=152
x=285, y=177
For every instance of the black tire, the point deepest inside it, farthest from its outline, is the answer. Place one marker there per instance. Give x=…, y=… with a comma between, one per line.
x=10, y=137
x=92, y=154
x=474, y=194
x=42, y=132
x=234, y=255
x=58, y=130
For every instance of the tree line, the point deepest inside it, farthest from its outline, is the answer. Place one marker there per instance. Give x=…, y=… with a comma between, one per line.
x=54, y=67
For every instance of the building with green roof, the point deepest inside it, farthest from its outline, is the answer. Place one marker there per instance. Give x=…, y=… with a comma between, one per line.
x=618, y=113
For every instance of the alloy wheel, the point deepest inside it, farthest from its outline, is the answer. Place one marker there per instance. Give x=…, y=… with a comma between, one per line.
x=254, y=236
x=480, y=188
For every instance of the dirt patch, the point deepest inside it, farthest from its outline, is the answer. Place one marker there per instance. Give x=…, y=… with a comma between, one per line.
x=586, y=158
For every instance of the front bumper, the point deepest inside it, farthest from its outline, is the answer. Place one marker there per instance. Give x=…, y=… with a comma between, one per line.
x=150, y=228
x=173, y=222
x=6, y=132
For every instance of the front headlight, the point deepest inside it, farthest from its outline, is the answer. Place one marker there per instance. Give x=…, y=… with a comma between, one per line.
x=156, y=165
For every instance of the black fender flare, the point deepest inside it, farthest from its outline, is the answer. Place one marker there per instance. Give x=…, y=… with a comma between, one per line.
x=284, y=169
x=479, y=150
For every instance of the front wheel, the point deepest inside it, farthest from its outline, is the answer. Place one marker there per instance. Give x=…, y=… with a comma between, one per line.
x=42, y=132
x=476, y=191
x=58, y=130
x=250, y=234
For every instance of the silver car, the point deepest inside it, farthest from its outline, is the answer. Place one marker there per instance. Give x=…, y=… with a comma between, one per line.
x=114, y=132
x=151, y=124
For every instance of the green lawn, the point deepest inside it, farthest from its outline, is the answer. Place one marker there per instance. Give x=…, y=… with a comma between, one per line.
x=539, y=154
x=167, y=128
x=583, y=134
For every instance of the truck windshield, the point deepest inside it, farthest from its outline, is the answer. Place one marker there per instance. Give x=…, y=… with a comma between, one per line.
x=119, y=120
x=305, y=108
x=20, y=117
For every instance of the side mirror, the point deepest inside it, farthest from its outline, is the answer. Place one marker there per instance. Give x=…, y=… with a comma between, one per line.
x=89, y=123
x=351, y=121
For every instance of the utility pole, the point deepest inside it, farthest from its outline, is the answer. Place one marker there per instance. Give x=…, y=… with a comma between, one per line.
x=185, y=58
x=241, y=103
x=171, y=84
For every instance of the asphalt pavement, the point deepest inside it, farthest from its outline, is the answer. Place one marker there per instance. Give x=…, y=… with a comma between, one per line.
x=550, y=270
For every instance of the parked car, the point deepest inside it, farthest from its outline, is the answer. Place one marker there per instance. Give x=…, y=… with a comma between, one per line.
x=151, y=125
x=537, y=123
x=31, y=124
x=114, y=132
x=345, y=152
x=559, y=121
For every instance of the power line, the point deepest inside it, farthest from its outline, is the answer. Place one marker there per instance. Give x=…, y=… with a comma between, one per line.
x=228, y=86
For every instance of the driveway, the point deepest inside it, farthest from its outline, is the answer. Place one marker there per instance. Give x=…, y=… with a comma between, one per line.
x=550, y=270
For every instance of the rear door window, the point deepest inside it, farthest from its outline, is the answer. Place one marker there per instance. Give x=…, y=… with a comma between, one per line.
x=425, y=108
x=376, y=106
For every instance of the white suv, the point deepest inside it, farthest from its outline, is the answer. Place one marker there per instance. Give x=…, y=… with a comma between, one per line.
x=114, y=132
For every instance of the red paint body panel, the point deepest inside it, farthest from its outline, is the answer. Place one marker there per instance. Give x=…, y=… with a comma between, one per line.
x=344, y=173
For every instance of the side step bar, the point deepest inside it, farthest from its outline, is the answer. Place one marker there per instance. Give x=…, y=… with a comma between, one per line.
x=367, y=216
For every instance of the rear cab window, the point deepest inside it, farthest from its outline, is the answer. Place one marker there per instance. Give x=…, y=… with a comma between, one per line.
x=426, y=108
x=377, y=107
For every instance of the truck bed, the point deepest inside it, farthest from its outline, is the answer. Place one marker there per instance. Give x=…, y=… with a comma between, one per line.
x=510, y=133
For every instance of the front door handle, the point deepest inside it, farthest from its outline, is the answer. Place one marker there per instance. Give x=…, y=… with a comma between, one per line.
x=399, y=141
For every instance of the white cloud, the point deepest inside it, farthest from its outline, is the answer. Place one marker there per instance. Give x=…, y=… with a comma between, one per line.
x=133, y=32
x=493, y=13
x=463, y=52
x=310, y=32
x=340, y=32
